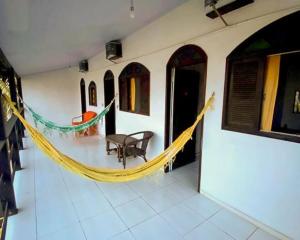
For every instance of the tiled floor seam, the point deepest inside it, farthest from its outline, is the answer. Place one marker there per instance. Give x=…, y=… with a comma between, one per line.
x=183, y=235
x=145, y=220
x=205, y=220
x=114, y=209
x=81, y=227
x=227, y=232
x=256, y=228
x=132, y=234
x=73, y=205
x=157, y=213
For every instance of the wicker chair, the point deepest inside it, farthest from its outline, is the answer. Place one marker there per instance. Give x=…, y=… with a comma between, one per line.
x=136, y=147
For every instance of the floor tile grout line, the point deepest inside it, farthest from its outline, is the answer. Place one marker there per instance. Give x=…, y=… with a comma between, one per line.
x=205, y=220
x=139, y=197
x=115, y=211
x=149, y=205
x=255, y=230
x=131, y=233
x=62, y=227
x=143, y=221
x=114, y=208
x=73, y=204
x=82, y=229
x=228, y=234
x=221, y=228
x=117, y=234
x=121, y=204
x=127, y=230
x=159, y=213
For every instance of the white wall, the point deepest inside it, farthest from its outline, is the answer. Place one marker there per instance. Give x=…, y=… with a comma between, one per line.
x=258, y=176
x=56, y=95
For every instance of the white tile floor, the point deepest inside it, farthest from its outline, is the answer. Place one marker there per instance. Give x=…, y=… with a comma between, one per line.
x=58, y=205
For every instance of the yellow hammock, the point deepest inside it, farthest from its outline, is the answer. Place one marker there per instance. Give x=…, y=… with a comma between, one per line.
x=106, y=174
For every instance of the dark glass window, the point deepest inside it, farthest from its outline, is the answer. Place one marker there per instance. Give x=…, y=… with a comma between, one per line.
x=286, y=117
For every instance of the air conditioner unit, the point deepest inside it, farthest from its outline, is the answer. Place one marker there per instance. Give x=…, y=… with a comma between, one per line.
x=224, y=6
x=113, y=50
x=83, y=66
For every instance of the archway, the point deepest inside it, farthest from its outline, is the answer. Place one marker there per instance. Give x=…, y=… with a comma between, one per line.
x=109, y=93
x=82, y=94
x=185, y=96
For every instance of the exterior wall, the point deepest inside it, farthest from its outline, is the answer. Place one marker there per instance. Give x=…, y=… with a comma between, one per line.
x=56, y=95
x=257, y=176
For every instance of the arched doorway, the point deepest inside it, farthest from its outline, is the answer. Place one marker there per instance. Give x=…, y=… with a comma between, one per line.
x=109, y=94
x=82, y=94
x=185, y=96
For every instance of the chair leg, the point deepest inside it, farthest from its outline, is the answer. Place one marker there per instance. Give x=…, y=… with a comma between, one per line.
x=124, y=156
x=119, y=153
x=107, y=147
x=124, y=162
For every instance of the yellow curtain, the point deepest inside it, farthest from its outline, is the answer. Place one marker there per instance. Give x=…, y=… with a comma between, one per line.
x=132, y=94
x=270, y=91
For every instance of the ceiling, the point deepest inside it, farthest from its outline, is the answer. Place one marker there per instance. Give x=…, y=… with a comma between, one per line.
x=42, y=35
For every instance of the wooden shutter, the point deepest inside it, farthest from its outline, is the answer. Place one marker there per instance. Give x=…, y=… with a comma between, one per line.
x=123, y=93
x=244, y=94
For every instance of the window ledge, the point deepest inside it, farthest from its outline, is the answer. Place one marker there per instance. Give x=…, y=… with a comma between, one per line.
x=275, y=135
x=282, y=136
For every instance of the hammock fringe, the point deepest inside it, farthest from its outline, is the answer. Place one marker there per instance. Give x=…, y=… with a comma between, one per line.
x=106, y=174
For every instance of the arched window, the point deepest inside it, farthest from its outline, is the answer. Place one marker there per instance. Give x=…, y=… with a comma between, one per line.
x=134, y=89
x=92, y=94
x=262, y=89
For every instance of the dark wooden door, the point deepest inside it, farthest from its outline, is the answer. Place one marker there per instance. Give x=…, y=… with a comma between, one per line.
x=110, y=117
x=83, y=97
x=185, y=105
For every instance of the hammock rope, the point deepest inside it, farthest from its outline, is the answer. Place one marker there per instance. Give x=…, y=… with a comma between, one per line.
x=69, y=128
x=107, y=174
x=50, y=125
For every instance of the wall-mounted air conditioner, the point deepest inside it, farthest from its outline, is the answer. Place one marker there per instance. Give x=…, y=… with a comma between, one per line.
x=113, y=50
x=223, y=6
x=84, y=66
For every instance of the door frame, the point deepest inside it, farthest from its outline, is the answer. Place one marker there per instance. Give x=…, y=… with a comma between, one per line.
x=83, y=96
x=179, y=60
x=109, y=76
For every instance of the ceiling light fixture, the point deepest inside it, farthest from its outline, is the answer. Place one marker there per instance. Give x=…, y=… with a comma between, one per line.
x=131, y=9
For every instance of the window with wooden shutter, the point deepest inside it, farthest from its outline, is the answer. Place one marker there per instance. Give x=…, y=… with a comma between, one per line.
x=92, y=94
x=243, y=94
x=262, y=87
x=134, y=89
